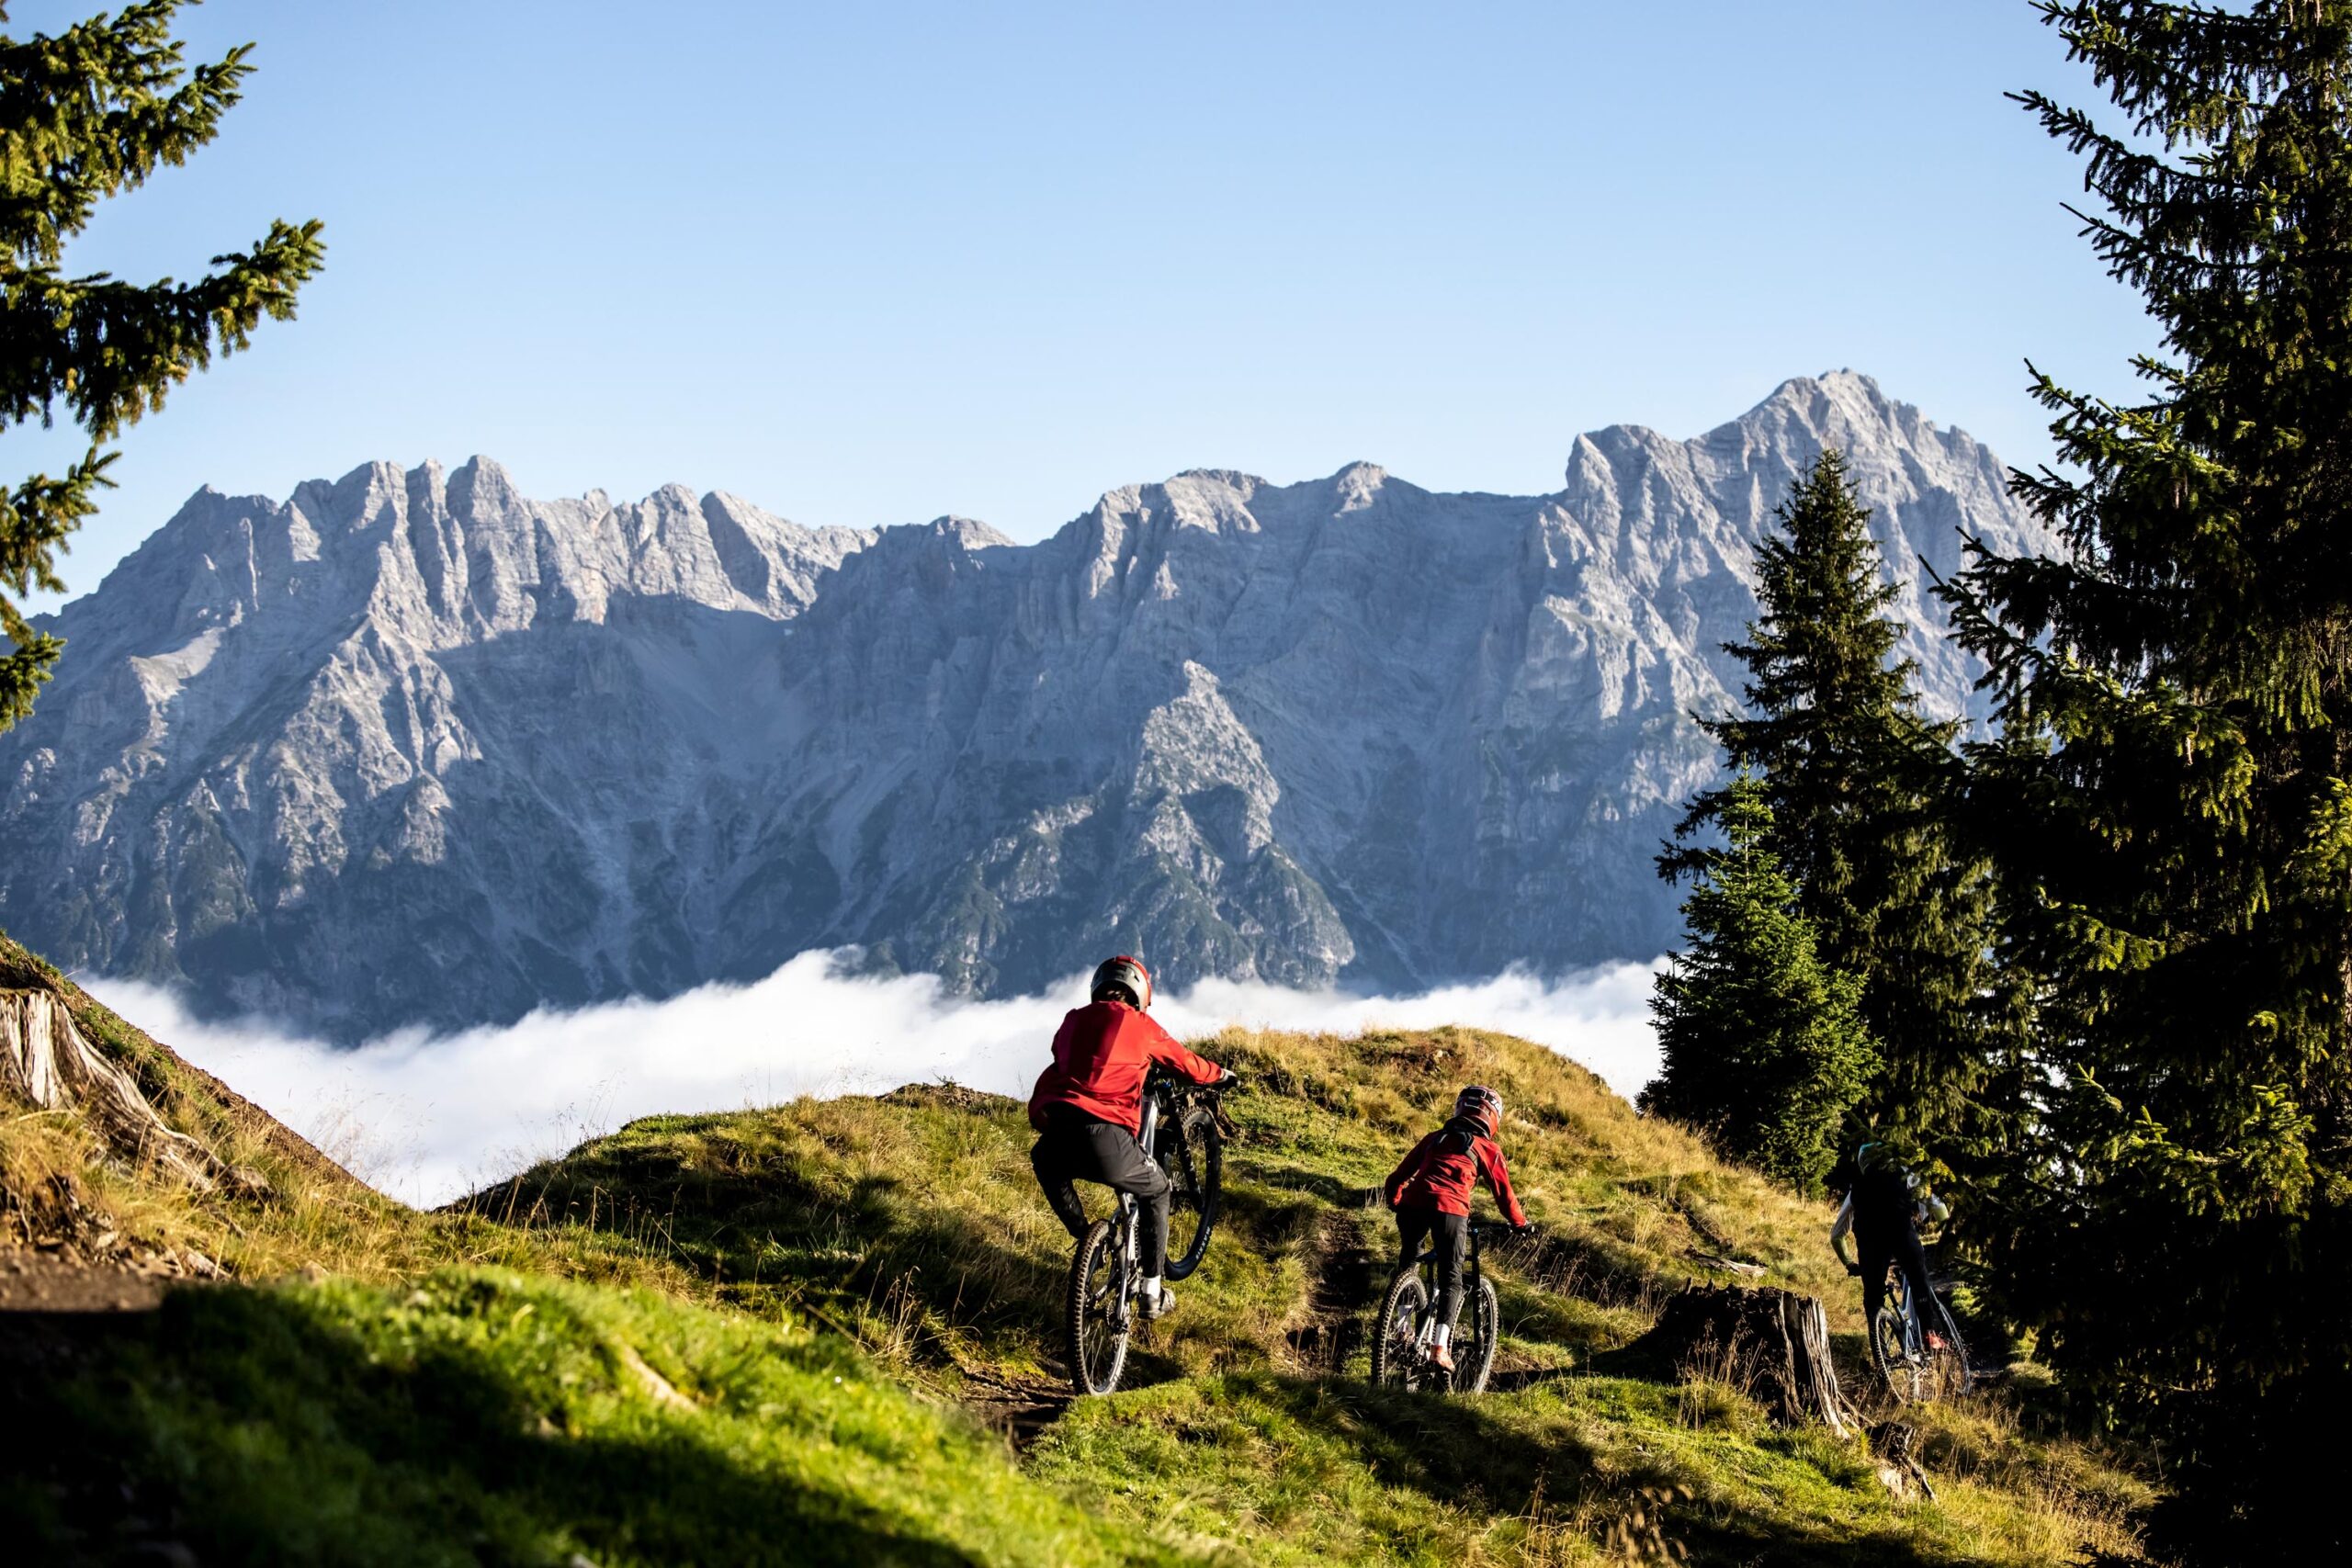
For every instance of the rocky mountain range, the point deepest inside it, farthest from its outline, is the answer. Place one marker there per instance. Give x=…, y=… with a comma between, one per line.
x=410, y=749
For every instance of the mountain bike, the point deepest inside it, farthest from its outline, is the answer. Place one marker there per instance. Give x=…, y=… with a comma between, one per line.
x=1400, y=1349
x=1183, y=1132
x=1920, y=1355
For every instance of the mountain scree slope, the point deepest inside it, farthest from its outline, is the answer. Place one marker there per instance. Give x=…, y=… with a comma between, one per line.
x=410, y=748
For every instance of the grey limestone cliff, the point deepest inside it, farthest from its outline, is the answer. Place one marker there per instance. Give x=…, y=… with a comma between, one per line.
x=410, y=749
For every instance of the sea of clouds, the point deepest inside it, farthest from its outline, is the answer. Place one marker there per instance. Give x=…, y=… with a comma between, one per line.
x=428, y=1119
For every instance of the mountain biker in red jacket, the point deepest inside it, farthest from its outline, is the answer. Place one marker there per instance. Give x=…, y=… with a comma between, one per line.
x=1088, y=1107
x=1431, y=1190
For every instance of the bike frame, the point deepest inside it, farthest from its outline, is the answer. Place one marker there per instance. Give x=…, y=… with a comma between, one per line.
x=1915, y=1322
x=1898, y=1287
x=1472, y=1276
x=1147, y=1135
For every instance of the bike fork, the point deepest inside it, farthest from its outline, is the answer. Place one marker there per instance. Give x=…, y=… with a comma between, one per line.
x=1124, y=1285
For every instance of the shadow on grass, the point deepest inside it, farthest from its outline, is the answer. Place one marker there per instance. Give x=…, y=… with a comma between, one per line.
x=771, y=1228
x=1501, y=1455
x=1328, y=1190
x=244, y=1426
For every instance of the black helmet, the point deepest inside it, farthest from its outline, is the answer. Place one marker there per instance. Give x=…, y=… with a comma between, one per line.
x=1480, y=1104
x=1123, y=973
x=1877, y=1155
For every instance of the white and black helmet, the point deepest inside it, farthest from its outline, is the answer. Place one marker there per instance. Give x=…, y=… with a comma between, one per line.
x=1122, y=975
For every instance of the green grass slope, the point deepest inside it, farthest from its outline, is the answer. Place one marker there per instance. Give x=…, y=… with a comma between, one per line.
x=823, y=1333
x=911, y=1223
x=485, y=1415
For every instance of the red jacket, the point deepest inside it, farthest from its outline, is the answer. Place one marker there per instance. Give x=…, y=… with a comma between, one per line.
x=1442, y=1173
x=1101, y=1055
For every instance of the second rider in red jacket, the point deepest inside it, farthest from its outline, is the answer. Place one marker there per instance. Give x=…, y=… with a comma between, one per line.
x=1088, y=1105
x=1431, y=1190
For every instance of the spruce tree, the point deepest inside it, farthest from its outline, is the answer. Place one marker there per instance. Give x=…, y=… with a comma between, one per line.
x=83, y=115
x=1766, y=1053
x=1855, y=774
x=2171, y=807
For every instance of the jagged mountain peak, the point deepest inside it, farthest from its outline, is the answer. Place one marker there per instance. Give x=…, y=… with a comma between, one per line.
x=414, y=748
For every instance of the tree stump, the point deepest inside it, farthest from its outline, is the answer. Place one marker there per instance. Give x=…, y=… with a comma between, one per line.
x=1773, y=1343
x=45, y=1059
x=1893, y=1441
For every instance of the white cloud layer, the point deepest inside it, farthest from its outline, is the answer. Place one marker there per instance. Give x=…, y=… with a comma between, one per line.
x=429, y=1119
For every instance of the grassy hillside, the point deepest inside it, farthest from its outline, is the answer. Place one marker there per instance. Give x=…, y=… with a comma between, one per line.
x=701, y=1335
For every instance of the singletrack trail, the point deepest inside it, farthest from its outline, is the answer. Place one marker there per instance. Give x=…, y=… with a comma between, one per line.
x=45, y=1283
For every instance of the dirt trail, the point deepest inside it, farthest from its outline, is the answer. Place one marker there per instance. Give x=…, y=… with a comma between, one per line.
x=1021, y=1408
x=1343, y=1281
x=48, y=1283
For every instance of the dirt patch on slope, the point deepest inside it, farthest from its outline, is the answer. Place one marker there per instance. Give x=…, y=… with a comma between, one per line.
x=1344, y=1279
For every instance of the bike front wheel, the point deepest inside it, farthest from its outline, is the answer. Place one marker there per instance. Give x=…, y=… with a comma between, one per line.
x=1946, y=1375
x=1099, y=1318
x=1473, y=1345
x=1396, y=1339
x=1193, y=1156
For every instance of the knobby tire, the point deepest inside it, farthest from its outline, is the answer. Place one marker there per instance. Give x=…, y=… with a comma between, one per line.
x=1194, y=1157
x=1894, y=1369
x=1395, y=1346
x=1098, y=1352
x=1475, y=1362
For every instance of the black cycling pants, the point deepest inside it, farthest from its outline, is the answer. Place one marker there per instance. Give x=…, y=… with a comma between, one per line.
x=1076, y=1148
x=1450, y=1239
x=1902, y=1248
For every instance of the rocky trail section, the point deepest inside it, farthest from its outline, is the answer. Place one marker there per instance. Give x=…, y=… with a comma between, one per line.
x=411, y=748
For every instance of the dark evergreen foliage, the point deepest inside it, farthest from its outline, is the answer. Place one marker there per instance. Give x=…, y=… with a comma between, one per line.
x=83, y=115
x=2170, y=808
x=1854, y=775
x=1765, y=1050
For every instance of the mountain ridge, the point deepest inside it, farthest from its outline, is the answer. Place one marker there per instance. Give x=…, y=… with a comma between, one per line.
x=410, y=748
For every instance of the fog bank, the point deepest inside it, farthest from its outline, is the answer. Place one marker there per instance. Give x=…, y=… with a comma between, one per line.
x=429, y=1119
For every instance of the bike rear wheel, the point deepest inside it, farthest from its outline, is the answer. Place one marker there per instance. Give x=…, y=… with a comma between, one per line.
x=1890, y=1356
x=1473, y=1343
x=1396, y=1339
x=1192, y=1153
x=1099, y=1318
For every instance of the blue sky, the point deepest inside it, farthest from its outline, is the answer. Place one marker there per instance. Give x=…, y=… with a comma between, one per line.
x=867, y=264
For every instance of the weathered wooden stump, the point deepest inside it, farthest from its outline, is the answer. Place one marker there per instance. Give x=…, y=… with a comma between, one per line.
x=1893, y=1442
x=45, y=1060
x=1774, y=1343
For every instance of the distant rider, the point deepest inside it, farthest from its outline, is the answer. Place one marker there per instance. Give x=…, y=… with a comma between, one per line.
x=1884, y=1209
x=1088, y=1108
x=1431, y=1190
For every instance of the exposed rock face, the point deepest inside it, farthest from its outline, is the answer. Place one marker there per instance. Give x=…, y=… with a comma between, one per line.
x=411, y=748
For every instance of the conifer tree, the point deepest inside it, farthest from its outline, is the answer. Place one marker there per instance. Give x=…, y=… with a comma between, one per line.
x=83, y=115
x=1766, y=1052
x=1853, y=773
x=2171, y=808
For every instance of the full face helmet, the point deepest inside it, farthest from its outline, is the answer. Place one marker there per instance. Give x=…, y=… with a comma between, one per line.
x=1482, y=1105
x=1124, y=978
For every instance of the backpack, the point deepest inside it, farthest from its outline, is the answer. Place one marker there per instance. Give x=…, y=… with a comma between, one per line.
x=1459, y=1136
